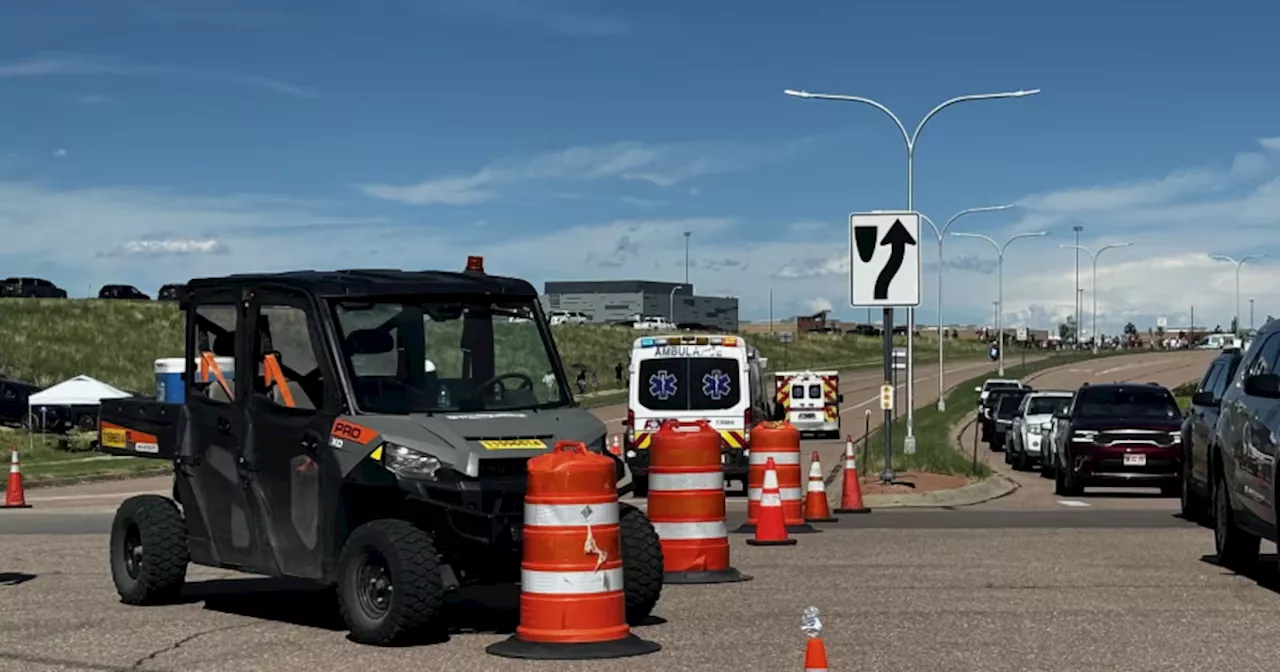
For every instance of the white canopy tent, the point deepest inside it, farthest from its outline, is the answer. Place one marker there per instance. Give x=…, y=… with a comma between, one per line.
x=78, y=391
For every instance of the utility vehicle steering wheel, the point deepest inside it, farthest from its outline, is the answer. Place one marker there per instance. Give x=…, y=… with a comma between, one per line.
x=526, y=383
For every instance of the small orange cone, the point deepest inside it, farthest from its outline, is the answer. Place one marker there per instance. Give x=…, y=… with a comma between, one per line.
x=816, y=509
x=14, y=497
x=771, y=526
x=615, y=445
x=850, y=490
x=815, y=655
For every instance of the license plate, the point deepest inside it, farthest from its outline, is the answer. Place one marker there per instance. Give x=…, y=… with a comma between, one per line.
x=808, y=416
x=1135, y=460
x=514, y=444
x=114, y=438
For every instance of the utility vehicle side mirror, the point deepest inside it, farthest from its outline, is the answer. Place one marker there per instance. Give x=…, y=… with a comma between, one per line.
x=1265, y=385
x=1204, y=398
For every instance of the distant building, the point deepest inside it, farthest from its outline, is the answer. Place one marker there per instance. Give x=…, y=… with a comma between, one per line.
x=610, y=301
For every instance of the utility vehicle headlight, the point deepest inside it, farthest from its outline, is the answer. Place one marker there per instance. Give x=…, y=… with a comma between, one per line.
x=409, y=462
x=1034, y=429
x=1046, y=426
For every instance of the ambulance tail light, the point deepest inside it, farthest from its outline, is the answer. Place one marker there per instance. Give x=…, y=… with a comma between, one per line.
x=746, y=424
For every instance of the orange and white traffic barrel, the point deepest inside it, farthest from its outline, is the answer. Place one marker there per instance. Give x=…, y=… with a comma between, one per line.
x=572, y=605
x=781, y=442
x=687, y=503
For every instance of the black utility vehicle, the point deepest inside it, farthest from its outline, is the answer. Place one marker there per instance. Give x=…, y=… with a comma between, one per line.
x=1120, y=434
x=13, y=401
x=374, y=436
x=1198, y=432
x=169, y=292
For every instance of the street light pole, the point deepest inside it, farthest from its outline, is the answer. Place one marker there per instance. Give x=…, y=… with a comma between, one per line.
x=686, y=256
x=1239, y=263
x=1250, y=314
x=1093, y=258
x=671, y=307
x=1077, y=228
x=909, y=443
x=1000, y=282
x=941, y=234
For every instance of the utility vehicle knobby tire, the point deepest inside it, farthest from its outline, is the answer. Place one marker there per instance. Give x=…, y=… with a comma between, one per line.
x=149, y=553
x=641, y=563
x=412, y=565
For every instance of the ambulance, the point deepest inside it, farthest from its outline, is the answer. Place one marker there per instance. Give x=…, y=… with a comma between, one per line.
x=719, y=379
x=810, y=400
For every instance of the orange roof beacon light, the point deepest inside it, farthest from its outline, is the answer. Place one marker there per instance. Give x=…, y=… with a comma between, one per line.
x=475, y=264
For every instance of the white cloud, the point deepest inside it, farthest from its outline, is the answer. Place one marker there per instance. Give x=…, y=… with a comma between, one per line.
x=57, y=63
x=663, y=165
x=59, y=153
x=166, y=247
x=818, y=304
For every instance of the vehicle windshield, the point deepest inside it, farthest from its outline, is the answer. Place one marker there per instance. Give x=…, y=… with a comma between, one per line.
x=1009, y=403
x=1047, y=405
x=689, y=384
x=1126, y=402
x=428, y=354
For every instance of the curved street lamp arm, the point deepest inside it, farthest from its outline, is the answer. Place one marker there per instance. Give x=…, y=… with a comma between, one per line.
x=856, y=99
x=1223, y=257
x=1113, y=246
x=961, y=99
x=1082, y=248
x=989, y=239
x=936, y=231
x=1035, y=234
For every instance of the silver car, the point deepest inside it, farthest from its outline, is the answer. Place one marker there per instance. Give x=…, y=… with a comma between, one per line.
x=1032, y=426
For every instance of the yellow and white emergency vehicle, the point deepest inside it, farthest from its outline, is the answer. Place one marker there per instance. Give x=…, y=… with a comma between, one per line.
x=810, y=400
x=719, y=379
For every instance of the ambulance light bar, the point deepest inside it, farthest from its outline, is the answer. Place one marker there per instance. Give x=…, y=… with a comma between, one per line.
x=731, y=341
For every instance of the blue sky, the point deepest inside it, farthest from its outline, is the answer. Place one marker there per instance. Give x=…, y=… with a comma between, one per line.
x=149, y=141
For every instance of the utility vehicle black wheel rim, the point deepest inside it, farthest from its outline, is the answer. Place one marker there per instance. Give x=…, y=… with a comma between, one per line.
x=133, y=551
x=374, y=589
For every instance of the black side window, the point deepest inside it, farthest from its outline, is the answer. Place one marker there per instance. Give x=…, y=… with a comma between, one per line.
x=8, y=393
x=1265, y=359
x=1211, y=377
x=213, y=373
x=1218, y=386
x=288, y=373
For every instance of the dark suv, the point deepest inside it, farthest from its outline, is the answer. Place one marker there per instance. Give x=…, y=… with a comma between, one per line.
x=31, y=288
x=1242, y=454
x=1006, y=409
x=122, y=292
x=1120, y=434
x=1197, y=434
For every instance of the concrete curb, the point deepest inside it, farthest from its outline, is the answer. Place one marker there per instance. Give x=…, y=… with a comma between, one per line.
x=992, y=487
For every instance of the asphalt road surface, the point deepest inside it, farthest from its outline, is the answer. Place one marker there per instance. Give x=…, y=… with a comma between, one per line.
x=1020, y=583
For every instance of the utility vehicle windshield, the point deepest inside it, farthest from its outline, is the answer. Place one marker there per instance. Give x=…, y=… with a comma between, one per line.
x=432, y=355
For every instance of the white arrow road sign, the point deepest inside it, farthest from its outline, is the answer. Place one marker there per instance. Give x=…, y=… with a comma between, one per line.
x=884, y=259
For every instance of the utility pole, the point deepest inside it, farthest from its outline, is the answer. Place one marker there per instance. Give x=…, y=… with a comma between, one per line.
x=1250, y=314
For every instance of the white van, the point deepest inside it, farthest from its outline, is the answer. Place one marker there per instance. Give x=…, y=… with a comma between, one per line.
x=568, y=317
x=714, y=378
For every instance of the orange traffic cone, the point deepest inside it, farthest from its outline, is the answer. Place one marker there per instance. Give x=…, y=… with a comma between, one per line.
x=14, y=497
x=815, y=655
x=850, y=490
x=771, y=526
x=615, y=445
x=816, y=509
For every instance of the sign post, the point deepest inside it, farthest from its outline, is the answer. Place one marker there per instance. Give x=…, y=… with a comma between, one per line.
x=784, y=338
x=884, y=272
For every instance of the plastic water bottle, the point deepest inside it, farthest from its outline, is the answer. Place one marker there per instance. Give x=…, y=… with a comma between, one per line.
x=442, y=400
x=810, y=624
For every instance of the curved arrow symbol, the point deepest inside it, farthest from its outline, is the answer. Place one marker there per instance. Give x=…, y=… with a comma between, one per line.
x=898, y=238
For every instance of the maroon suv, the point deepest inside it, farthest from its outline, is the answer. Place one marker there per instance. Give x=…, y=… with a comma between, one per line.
x=1120, y=434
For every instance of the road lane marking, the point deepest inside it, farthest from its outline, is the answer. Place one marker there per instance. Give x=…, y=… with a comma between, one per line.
x=1073, y=503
